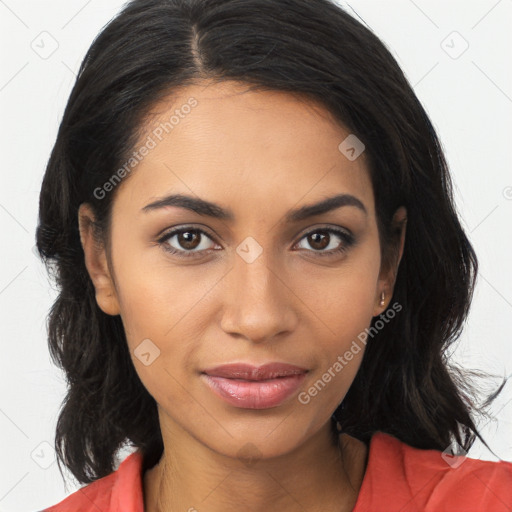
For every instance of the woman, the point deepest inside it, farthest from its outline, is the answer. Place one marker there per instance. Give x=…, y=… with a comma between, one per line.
x=250, y=219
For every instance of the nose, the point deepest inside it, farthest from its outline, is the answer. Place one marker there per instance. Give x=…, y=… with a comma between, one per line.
x=258, y=303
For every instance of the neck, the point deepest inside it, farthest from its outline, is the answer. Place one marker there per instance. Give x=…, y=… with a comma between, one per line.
x=318, y=475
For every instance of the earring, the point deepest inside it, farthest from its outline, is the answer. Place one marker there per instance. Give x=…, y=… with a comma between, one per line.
x=382, y=295
x=336, y=422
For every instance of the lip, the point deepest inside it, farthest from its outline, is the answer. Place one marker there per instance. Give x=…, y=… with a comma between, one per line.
x=250, y=387
x=250, y=372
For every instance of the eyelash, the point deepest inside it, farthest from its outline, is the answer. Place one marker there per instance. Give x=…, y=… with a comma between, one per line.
x=347, y=238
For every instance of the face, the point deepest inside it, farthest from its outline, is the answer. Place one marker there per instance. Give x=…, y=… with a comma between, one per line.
x=255, y=285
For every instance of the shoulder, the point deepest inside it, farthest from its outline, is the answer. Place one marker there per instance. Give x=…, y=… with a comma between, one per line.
x=431, y=480
x=121, y=490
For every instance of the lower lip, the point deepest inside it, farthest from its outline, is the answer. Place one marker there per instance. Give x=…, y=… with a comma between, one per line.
x=254, y=394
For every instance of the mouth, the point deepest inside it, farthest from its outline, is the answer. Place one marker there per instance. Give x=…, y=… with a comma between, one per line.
x=250, y=387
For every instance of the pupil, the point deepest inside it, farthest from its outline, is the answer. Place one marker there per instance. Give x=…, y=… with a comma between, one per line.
x=188, y=240
x=323, y=243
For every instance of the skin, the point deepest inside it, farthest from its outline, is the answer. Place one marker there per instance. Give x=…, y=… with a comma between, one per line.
x=259, y=154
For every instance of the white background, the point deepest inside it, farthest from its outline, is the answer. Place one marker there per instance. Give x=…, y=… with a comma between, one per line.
x=469, y=99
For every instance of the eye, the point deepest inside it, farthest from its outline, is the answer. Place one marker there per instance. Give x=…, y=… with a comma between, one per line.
x=186, y=242
x=321, y=239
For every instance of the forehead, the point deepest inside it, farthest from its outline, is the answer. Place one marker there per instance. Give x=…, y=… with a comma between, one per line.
x=222, y=142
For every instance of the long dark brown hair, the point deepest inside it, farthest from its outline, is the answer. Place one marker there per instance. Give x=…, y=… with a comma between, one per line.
x=405, y=385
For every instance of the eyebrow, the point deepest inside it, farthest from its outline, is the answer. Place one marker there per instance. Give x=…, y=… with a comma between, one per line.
x=207, y=208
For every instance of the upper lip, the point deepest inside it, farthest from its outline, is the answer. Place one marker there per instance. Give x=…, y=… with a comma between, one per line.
x=251, y=372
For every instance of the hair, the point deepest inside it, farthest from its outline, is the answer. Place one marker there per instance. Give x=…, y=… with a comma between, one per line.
x=405, y=385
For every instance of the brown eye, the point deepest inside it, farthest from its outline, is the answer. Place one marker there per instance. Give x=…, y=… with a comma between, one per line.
x=319, y=240
x=335, y=240
x=188, y=239
x=187, y=242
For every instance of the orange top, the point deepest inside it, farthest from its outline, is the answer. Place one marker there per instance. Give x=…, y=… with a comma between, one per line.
x=398, y=478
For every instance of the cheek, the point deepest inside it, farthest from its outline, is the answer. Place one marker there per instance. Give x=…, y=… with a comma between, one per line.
x=156, y=296
x=164, y=308
x=154, y=314
x=341, y=314
x=342, y=304
x=343, y=298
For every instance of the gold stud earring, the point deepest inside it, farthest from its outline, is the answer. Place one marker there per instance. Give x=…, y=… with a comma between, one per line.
x=382, y=295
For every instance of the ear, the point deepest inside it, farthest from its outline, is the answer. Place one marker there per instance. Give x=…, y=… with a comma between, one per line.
x=387, y=277
x=96, y=262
